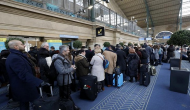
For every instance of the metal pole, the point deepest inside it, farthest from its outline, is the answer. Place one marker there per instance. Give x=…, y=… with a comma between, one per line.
x=181, y=15
x=147, y=25
x=92, y=11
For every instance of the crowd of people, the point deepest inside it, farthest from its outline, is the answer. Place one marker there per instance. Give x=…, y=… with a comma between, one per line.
x=26, y=71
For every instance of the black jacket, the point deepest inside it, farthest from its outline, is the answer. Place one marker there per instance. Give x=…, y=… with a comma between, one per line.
x=121, y=56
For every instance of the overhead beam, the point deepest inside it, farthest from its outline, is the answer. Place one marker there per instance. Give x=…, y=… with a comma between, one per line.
x=169, y=2
x=149, y=16
x=158, y=15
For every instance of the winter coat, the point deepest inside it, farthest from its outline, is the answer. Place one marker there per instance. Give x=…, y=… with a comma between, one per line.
x=121, y=56
x=97, y=68
x=3, y=71
x=170, y=51
x=148, y=49
x=44, y=69
x=112, y=58
x=155, y=51
x=24, y=85
x=82, y=65
x=131, y=56
x=63, y=67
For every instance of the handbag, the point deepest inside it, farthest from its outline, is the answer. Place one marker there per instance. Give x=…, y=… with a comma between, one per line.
x=37, y=71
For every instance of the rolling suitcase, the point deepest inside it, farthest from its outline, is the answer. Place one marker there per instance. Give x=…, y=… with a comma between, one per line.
x=118, y=80
x=89, y=87
x=144, y=75
x=46, y=103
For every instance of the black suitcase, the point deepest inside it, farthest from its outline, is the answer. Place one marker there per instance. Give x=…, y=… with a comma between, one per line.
x=46, y=103
x=89, y=87
x=66, y=104
x=144, y=75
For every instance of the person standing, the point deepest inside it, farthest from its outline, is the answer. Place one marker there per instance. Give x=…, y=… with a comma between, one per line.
x=24, y=85
x=64, y=69
x=97, y=66
x=121, y=57
x=111, y=56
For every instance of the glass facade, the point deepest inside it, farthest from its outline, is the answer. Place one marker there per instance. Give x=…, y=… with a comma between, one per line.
x=79, y=9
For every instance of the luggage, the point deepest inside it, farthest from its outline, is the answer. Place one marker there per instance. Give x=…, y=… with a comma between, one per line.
x=118, y=80
x=88, y=85
x=153, y=70
x=144, y=75
x=66, y=104
x=46, y=103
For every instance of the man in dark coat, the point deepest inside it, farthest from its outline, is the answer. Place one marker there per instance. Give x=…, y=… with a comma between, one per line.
x=24, y=85
x=121, y=56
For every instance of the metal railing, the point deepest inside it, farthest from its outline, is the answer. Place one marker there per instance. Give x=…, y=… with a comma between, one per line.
x=102, y=14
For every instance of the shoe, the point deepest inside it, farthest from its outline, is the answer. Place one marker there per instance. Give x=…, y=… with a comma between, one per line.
x=109, y=85
x=103, y=89
x=76, y=108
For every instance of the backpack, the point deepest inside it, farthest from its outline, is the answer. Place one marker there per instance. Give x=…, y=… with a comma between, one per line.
x=160, y=51
x=133, y=63
x=52, y=72
x=144, y=54
x=105, y=62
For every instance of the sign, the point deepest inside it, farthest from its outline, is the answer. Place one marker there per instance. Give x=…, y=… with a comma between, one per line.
x=100, y=31
x=68, y=36
x=2, y=44
x=141, y=39
x=166, y=37
x=55, y=43
x=149, y=38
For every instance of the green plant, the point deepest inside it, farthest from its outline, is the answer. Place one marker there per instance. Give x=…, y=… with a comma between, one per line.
x=7, y=41
x=135, y=44
x=121, y=43
x=106, y=44
x=141, y=45
x=130, y=44
x=180, y=38
x=77, y=44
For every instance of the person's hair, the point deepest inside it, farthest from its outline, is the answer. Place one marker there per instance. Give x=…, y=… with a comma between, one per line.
x=13, y=43
x=31, y=48
x=97, y=51
x=118, y=46
x=43, y=44
x=52, y=47
x=112, y=47
x=96, y=45
x=131, y=50
x=63, y=48
x=80, y=51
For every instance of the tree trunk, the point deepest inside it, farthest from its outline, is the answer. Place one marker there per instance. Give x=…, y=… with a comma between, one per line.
x=180, y=58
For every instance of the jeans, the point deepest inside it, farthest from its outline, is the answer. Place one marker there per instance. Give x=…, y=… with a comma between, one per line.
x=160, y=58
x=65, y=91
x=24, y=106
x=109, y=79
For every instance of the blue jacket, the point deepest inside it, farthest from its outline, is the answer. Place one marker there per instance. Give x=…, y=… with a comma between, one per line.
x=24, y=85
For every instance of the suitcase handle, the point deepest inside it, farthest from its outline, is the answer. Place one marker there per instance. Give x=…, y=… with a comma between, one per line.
x=40, y=88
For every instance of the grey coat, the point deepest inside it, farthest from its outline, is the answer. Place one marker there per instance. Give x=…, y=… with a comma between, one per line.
x=63, y=71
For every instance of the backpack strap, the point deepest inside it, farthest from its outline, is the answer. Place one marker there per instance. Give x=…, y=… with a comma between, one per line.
x=101, y=57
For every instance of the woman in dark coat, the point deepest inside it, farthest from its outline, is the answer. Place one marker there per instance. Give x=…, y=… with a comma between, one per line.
x=140, y=56
x=44, y=68
x=170, y=52
x=132, y=61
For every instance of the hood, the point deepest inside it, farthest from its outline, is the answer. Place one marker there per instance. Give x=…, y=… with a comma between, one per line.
x=78, y=58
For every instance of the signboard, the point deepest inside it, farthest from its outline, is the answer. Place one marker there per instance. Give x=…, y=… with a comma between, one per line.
x=2, y=44
x=69, y=36
x=55, y=43
x=166, y=37
x=141, y=39
x=149, y=38
x=100, y=31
